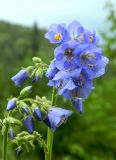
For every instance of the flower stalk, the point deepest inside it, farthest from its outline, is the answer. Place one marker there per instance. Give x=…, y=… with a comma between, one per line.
x=48, y=154
x=5, y=137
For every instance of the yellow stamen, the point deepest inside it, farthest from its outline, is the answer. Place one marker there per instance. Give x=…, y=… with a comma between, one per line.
x=57, y=36
x=82, y=37
x=69, y=51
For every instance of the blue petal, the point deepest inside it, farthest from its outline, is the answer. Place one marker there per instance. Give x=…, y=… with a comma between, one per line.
x=78, y=104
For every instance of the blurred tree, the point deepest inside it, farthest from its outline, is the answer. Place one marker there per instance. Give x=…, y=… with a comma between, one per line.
x=109, y=35
x=35, y=39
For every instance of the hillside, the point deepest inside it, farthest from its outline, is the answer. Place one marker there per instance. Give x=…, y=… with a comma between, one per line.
x=18, y=44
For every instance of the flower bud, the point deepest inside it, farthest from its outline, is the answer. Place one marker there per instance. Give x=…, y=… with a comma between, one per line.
x=25, y=91
x=11, y=134
x=28, y=121
x=19, y=150
x=30, y=69
x=11, y=104
x=25, y=110
x=37, y=113
x=23, y=106
x=36, y=60
x=39, y=73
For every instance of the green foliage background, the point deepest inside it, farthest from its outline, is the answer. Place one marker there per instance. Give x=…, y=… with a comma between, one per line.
x=91, y=136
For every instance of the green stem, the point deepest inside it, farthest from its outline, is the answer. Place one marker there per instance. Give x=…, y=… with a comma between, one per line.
x=48, y=155
x=5, y=137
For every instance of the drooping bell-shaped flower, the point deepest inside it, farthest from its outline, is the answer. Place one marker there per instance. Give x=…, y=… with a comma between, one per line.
x=28, y=121
x=20, y=77
x=56, y=116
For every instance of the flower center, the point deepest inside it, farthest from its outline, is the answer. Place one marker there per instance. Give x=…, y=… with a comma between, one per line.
x=69, y=53
x=88, y=59
x=57, y=36
x=82, y=37
x=91, y=38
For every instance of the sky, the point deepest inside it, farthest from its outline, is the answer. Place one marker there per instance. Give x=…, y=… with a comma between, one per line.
x=90, y=13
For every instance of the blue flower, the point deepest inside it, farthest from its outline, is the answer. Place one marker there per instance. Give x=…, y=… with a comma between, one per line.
x=20, y=77
x=11, y=134
x=68, y=90
x=78, y=61
x=28, y=121
x=75, y=31
x=65, y=56
x=81, y=35
x=52, y=70
x=77, y=102
x=11, y=104
x=78, y=86
x=90, y=37
x=72, y=83
x=57, y=33
x=56, y=116
x=96, y=70
x=37, y=113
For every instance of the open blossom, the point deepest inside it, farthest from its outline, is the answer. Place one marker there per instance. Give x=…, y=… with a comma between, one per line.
x=56, y=116
x=57, y=33
x=20, y=77
x=72, y=84
x=81, y=35
x=77, y=62
x=75, y=31
x=65, y=56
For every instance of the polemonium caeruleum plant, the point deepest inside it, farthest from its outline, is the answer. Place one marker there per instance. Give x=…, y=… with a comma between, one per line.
x=77, y=62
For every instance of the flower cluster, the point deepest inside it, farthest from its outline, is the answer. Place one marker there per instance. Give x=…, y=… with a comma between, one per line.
x=39, y=109
x=77, y=61
x=31, y=109
x=35, y=72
